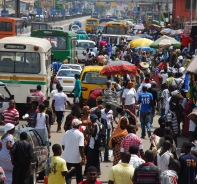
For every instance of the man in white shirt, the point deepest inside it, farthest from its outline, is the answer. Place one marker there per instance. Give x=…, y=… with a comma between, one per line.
x=72, y=144
x=164, y=75
x=58, y=104
x=55, y=91
x=107, y=114
x=135, y=161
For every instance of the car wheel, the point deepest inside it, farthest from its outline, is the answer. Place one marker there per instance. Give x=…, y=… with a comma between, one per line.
x=33, y=177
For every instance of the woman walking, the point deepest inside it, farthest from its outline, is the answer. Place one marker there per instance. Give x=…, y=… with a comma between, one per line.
x=7, y=141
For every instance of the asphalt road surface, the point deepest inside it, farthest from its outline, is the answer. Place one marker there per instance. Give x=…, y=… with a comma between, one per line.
x=105, y=167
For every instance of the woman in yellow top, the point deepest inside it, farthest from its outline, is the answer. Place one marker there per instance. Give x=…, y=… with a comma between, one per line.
x=117, y=136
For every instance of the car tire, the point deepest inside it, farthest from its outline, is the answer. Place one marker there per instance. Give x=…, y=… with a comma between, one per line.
x=33, y=177
x=41, y=175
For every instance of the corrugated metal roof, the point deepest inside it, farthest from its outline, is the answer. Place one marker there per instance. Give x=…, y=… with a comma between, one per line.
x=192, y=67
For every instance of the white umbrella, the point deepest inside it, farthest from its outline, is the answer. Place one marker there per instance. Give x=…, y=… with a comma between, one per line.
x=165, y=43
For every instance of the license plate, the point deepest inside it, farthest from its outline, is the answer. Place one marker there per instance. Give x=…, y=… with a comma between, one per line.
x=66, y=81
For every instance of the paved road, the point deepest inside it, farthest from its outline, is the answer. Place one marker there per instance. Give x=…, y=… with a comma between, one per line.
x=105, y=167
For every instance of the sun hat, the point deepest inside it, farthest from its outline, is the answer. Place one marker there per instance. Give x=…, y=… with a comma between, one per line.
x=76, y=122
x=144, y=64
x=8, y=127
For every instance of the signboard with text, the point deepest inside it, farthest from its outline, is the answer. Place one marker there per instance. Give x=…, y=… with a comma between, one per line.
x=187, y=30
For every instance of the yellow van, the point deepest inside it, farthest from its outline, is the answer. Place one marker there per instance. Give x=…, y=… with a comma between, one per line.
x=91, y=79
x=90, y=24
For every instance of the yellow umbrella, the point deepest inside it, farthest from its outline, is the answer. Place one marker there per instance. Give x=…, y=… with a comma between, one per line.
x=140, y=42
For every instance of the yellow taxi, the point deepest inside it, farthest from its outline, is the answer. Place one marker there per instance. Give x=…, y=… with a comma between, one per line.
x=90, y=24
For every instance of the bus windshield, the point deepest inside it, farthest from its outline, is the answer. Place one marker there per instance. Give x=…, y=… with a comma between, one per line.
x=20, y=62
x=39, y=26
x=94, y=78
x=57, y=43
x=5, y=26
x=115, y=30
x=92, y=22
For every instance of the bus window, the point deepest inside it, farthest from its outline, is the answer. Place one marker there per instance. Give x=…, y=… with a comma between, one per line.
x=43, y=26
x=92, y=22
x=5, y=26
x=35, y=27
x=19, y=62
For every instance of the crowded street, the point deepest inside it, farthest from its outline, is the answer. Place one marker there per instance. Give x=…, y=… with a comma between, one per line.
x=98, y=92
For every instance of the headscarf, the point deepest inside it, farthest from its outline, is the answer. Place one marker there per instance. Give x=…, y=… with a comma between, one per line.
x=8, y=127
x=118, y=132
x=156, y=71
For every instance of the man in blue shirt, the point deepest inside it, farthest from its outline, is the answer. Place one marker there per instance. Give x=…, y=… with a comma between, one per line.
x=77, y=89
x=188, y=165
x=145, y=100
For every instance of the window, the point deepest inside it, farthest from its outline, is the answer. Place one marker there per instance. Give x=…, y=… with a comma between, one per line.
x=57, y=43
x=94, y=78
x=36, y=138
x=86, y=45
x=92, y=22
x=73, y=44
x=20, y=62
x=187, y=4
x=115, y=30
x=67, y=73
x=6, y=26
x=4, y=95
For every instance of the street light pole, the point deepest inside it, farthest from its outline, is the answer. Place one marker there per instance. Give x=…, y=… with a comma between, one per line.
x=191, y=8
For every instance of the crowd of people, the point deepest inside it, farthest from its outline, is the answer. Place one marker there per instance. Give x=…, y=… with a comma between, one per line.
x=93, y=130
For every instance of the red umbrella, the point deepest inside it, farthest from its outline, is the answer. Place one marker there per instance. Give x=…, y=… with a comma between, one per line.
x=119, y=67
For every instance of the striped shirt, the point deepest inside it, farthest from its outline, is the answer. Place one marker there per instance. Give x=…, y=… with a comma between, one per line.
x=147, y=173
x=10, y=115
x=172, y=121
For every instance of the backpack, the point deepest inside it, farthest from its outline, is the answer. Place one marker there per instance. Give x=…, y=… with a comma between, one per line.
x=101, y=141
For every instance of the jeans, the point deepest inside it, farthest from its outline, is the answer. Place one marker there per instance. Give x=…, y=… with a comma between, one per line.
x=92, y=159
x=162, y=112
x=145, y=121
x=151, y=118
x=106, y=154
x=77, y=172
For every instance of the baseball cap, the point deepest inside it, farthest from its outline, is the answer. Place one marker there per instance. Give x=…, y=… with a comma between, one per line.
x=76, y=122
x=93, y=116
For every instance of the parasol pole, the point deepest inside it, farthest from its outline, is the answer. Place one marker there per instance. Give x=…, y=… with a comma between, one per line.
x=191, y=1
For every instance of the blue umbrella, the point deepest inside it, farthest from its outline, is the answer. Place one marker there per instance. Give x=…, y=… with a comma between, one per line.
x=147, y=49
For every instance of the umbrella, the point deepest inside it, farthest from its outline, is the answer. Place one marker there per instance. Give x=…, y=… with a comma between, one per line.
x=132, y=38
x=166, y=31
x=176, y=32
x=119, y=67
x=141, y=27
x=145, y=36
x=165, y=41
x=147, y=49
x=140, y=42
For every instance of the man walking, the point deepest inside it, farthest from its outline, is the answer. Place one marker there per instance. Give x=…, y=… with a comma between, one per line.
x=72, y=144
x=10, y=114
x=145, y=100
x=21, y=156
x=58, y=104
x=38, y=93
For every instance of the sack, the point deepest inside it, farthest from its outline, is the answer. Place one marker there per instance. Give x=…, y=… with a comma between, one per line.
x=101, y=141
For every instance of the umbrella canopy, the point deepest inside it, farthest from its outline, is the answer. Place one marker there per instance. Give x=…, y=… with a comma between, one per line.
x=165, y=41
x=119, y=67
x=140, y=42
x=139, y=27
x=147, y=49
x=192, y=67
x=166, y=31
x=145, y=36
x=176, y=32
x=130, y=38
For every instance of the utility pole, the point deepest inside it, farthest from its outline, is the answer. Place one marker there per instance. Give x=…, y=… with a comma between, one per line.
x=17, y=8
x=191, y=8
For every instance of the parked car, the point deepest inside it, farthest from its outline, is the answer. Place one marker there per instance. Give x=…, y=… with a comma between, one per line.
x=82, y=45
x=71, y=66
x=66, y=78
x=75, y=28
x=40, y=149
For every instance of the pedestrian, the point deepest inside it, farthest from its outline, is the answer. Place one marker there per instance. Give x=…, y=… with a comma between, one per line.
x=147, y=173
x=39, y=94
x=41, y=124
x=56, y=169
x=131, y=139
x=91, y=102
x=93, y=152
x=92, y=175
x=170, y=176
x=77, y=89
x=165, y=94
x=10, y=114
x=122, y=172
x=188, y=165
x=21, y=156
x=145, y=100
x=49, y=112
x=163, y=158
x=58, y=104
x=160, y=132
x=157, y=78
x=129, y=97
x=6, y=143
x=73, y=144
x=55, y=91
x=164, y=75
x=31, y=112
x=117, y=136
